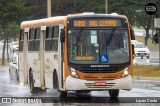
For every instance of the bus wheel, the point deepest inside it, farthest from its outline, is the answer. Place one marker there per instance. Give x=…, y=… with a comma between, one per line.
x=17, y=76
x=33, y=89
x=56, y=86
x=114, y=93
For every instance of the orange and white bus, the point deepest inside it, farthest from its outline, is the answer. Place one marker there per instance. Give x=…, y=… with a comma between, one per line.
x=79, y=52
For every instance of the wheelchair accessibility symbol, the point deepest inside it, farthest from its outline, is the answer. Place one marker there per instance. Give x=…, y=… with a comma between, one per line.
x=103, y=58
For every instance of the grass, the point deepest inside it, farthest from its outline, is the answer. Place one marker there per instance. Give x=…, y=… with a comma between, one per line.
x=6, y=61
x=146, y=71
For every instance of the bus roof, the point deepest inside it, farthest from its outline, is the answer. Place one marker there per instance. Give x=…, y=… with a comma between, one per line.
x=43, y=22
x=60, y=19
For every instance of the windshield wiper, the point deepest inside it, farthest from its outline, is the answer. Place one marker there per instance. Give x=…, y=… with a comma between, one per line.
x=110, y=37
x=78, y=38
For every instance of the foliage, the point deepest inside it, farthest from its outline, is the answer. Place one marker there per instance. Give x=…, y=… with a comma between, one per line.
x=135, y=11
x=12, y=11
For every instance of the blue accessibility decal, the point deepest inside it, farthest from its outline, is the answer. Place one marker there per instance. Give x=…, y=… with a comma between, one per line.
x=104, y=58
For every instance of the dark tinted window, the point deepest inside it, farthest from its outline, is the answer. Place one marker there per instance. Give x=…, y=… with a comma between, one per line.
x=37, y=39
x=48, y=41
x=31, y=39
x=55, y=36
x=21, y=40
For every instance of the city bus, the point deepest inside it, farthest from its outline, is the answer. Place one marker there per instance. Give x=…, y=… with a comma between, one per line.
x=78, y=52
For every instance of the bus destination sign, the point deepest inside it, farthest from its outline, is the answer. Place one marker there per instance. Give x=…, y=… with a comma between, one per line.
x=97, y=23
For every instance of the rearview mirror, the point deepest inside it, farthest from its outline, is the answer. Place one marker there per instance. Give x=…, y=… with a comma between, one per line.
x=14, y=61
x=132, y=34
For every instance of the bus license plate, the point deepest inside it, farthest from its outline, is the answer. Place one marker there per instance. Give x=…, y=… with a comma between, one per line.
x=99, y=83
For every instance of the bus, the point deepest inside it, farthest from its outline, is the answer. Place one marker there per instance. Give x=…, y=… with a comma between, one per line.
x=78, y=52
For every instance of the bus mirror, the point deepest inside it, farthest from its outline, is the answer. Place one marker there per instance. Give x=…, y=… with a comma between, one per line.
x=132, y=34
x=62, y=38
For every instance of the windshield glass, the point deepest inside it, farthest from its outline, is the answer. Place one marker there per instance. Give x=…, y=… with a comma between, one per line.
x=139, y=46
x=90, y=46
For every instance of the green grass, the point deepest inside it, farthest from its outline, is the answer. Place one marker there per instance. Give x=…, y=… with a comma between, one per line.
x=146, y=71
x=6, y=61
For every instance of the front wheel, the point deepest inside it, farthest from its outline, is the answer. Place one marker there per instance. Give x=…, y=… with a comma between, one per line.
x=61, y=94
x=114, y=93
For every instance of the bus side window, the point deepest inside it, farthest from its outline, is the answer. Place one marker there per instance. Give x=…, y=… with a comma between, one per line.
x=37, y=39
x=21, y=40
x=55, y=35
x=48, y=42
x=31, y=39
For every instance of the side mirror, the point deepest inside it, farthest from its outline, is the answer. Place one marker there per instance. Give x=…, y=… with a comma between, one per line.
x=14, y=61
x=62, y=36
x=132, y=34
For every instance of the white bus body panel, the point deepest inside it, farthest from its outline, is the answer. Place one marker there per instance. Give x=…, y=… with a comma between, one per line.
x=50, y=64
x=20, y=67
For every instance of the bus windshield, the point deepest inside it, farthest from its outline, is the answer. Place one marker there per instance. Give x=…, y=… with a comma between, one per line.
x=98, y=46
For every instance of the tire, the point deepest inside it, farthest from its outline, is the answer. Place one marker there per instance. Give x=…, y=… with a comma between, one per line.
x=61, y=94
x=10, y=76
x=114, y=93
x=33, y=89
x=17, y=76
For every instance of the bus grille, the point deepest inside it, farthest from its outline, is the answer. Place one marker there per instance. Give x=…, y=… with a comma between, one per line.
x=92, y=85
x=97, y=78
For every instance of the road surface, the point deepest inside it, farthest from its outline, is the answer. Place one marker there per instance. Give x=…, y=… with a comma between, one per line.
x=142, y=90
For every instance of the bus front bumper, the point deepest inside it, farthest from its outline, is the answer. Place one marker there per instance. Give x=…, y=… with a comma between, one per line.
x=79, y=84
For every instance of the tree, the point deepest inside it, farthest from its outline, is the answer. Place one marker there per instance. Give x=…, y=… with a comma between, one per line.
x=135, y=11
x=10, y=11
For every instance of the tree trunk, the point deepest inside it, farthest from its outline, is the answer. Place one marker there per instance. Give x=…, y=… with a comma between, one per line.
x=3, y=52
x=146, y=37
x=4, y=42
x=7, y=49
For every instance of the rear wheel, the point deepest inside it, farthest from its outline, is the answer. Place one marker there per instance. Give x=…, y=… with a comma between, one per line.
x=10, y=74
x=17, y=76
x=114, y=93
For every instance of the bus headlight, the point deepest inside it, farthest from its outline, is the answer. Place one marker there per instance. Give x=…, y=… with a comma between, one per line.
x=125, y=72
x=73, y=73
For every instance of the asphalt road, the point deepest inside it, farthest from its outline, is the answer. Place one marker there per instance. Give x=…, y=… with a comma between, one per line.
x=151, y=61
x=142, y=90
